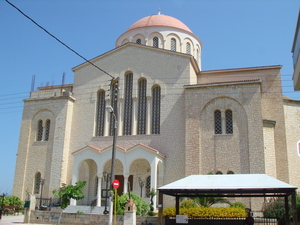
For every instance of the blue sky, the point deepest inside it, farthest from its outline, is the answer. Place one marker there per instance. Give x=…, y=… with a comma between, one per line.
x=234, y=34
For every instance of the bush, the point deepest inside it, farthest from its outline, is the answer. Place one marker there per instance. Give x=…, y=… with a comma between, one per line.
x=204, y=212
x=189, y=203
x=142, y=207
x=13, y=200
x=238, y=205
x=274, y=208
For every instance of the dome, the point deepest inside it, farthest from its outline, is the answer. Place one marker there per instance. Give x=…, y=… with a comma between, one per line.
x=159, y=21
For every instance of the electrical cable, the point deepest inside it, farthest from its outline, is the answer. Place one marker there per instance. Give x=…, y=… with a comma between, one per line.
x=59, y=40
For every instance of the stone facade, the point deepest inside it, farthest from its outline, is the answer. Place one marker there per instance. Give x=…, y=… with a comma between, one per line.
x=263, y=136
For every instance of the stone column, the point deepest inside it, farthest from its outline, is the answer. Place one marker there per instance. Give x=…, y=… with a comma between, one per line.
x=154, y=179
x=125, y=188
x=99, y=189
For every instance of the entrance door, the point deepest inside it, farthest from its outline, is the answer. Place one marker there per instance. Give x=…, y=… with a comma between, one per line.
x=120, y=178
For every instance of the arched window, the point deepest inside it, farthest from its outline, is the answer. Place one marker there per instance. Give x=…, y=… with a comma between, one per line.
x=173, y=44
x=100, y=113
x=37, y=183
x=219, y=172
x=218, y=122
x=188, y=48
x=40, y=130
x=230, y=172
x=142, y=106
x=113, y=103
x=156, y=110
x=139, y=41
x=47, y=131
x=228, y=116
x=128, y=105
x=155, y=42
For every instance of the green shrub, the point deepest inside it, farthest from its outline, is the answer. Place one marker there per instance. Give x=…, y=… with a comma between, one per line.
x=13, y=200
x=274, y=208
x=142, y=207
x=204, y=212
x=189, y=203
x=238, y=205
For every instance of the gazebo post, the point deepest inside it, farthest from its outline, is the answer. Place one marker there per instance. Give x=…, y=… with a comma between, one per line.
x=177, y=205
x=160, y=208
x=294, y=208
x=286, y=204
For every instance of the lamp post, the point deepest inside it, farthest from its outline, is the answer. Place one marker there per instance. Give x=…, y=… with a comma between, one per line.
x=106, y=176
x=141, y=183
x=113, y=112
x=42, y=182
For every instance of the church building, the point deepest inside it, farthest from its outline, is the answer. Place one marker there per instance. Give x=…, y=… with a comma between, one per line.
x=171, y=118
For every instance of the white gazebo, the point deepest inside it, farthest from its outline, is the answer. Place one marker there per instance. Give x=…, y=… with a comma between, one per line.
x=233, y=185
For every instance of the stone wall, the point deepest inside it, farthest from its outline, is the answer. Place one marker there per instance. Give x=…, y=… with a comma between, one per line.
x=44, y=217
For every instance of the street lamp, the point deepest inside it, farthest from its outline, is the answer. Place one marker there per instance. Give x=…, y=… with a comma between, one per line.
x=106, y=177
x=141, y=183
x=113, y=112
x=42, y=182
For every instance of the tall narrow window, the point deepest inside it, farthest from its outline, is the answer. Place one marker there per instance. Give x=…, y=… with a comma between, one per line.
x=173, y=44
x=228, y=116
x=218, y=122
x=138, y=41
x=47, y=130
x=40, y=130
x=155, y=42
x=148, y=186
x=37, y=183
x=128, y=105
x=100, y=114
x=188, y=48
x=113, y=102
x=142, y=107
x=156, y=110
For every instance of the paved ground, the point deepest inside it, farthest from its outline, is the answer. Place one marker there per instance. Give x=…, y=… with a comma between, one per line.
x=9, y=220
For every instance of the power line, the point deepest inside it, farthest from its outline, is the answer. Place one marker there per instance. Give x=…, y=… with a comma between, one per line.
x=59, y=40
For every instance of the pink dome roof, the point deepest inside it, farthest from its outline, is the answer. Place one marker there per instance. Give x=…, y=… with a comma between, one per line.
x=159, y=21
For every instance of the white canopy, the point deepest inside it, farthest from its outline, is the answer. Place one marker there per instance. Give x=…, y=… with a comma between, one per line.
x=230, y=183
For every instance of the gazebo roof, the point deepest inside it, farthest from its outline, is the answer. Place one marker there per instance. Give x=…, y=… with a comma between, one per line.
x=254, y=185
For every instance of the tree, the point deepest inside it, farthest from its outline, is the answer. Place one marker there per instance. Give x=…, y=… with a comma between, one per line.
x=13, y=200
x=152, y=193
x=66, y=193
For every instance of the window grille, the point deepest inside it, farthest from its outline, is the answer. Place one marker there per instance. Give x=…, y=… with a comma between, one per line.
x=188, y=48
x=47, y=131
x=100, y=114
x=40, y=130
x=155, y=42
x=156, y=110
x=148, y=186
x=128, y=105
x=139, y=41
x=173, y=44
x=218, y=122
x=37, y=183
x=229, y=127
x=142, y=107
x=114, y=100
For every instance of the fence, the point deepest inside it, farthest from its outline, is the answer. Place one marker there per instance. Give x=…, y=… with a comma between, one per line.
x=47, y=203
x=222, y=221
